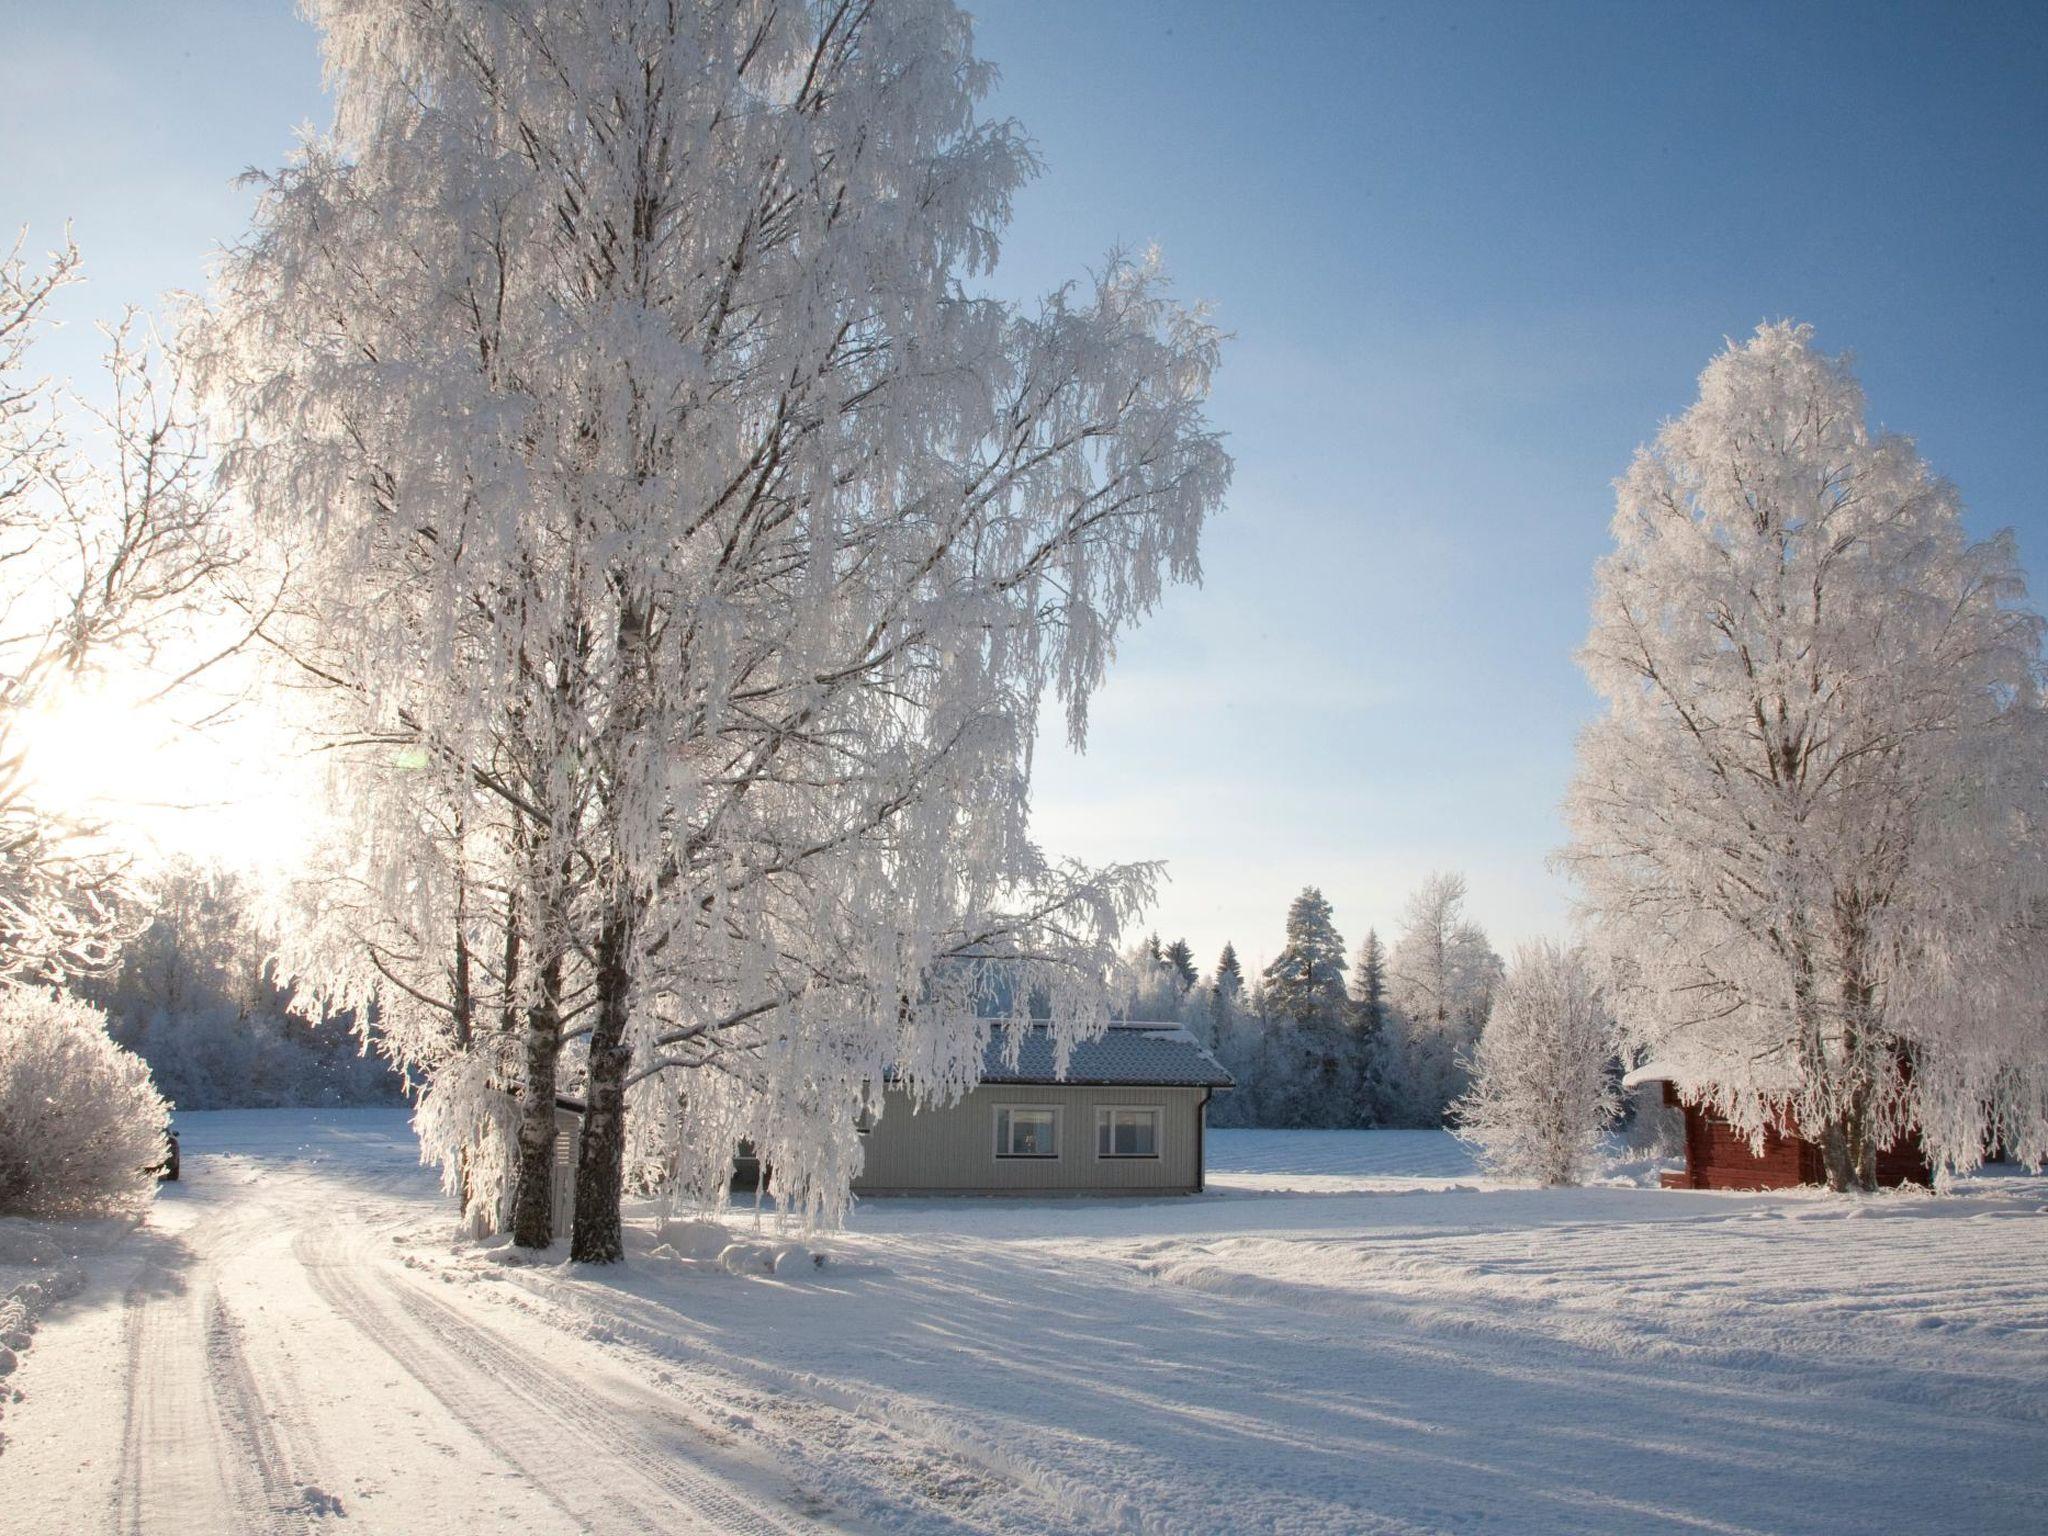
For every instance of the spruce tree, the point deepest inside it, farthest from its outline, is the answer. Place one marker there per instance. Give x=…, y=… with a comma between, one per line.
x=1229, y=972
x=1366, y=1082
x=1369, y=986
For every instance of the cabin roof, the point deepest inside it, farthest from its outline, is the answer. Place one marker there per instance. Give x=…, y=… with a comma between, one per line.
x=1125, y=1055
x=1651, y=1072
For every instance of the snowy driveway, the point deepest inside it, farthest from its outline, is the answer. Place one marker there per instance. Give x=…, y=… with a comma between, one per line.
x=1352, y=1333
x=260, y=1361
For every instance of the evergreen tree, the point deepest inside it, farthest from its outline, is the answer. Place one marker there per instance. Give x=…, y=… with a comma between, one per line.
x=1305, y=1037
x=1151, y=988
x=1369, y=986
x=1229, y=972
x=1305, y=982
x=1182, y=961
x=1367, y=1095
x=1221, y=1015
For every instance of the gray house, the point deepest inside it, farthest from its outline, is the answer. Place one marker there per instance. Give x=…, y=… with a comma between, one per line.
x=1126, y=1118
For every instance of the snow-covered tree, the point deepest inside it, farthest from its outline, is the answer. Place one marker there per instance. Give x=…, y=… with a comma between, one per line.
x=1809, y=829
x=109, y=536
x=1368, y=1030
x=1305, y=981
x=1303, y=1067
x=1149, y=986
x=81, y=1125
x=1219, y=1000
x=1440, y=979
x=687, y=550
x=1229, y=972
x=196, y=996
x=1234, y=1037
x=1541, y=1095
x=1369, y=984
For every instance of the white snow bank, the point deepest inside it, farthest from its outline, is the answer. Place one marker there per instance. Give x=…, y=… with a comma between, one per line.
x=41, y=1264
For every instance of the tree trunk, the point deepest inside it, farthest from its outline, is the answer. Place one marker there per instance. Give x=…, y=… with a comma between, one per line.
x=1847, y=1150
x=533, y=1208
x=600, y=1172
x=1834, y=1157
x=1859, y=1008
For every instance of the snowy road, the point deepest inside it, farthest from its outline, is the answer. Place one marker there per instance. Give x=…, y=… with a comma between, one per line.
x=262, y=1362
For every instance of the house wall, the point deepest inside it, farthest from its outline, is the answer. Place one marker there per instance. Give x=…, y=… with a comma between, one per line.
x=951, y=1149
x=1718, y=1156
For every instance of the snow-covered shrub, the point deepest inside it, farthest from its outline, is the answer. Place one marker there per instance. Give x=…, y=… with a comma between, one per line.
x=81, y=1124
x=1541, y=1094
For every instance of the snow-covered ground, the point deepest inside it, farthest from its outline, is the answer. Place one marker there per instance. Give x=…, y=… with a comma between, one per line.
x=1351, y=1332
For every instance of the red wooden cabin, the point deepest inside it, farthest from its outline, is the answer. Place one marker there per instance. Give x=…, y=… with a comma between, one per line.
x=1718, y=1156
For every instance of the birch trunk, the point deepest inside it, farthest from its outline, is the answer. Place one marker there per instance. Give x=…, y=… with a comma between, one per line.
x=600, y=1171
x=533, y=1216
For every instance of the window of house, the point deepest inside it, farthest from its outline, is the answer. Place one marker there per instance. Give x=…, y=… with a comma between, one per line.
x=1027, y=1131
x=1127, y=1131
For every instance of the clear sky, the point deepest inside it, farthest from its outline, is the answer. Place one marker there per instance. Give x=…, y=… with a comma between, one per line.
x=1471, y=255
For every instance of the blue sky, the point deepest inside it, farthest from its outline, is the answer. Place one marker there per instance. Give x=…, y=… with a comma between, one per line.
x=1471, y=256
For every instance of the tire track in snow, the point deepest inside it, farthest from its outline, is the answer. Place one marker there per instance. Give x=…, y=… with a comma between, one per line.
x=562, y=1441
x=167, y=1476
x=281, y=1501
x=191, y=1392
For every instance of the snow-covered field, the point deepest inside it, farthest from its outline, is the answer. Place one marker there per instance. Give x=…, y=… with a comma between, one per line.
x=1351, y=1332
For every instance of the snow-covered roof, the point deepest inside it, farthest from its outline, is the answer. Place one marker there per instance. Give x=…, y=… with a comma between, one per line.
x=1141, y=1055
x=1650, y=1072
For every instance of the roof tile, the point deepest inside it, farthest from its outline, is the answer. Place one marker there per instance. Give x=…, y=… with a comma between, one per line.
x=1150, y=1055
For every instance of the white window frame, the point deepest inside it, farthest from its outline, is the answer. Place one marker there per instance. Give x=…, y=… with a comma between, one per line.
x=1003, y=1152
x=1104, y=1122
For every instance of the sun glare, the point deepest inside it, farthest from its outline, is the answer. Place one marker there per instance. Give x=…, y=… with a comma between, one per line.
x=112, y=758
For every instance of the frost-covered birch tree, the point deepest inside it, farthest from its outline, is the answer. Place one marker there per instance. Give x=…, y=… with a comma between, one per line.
x=688, y=542
x=1541, y=1094
x=1440, y=978
x=1808, y=830
x=110, y=539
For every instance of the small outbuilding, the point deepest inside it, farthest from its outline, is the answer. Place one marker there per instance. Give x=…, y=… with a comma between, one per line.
x=1720, y=1156
x=1127, y=1117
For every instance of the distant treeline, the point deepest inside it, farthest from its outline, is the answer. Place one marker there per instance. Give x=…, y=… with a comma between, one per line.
x=195, y=996
x=1315, y=1041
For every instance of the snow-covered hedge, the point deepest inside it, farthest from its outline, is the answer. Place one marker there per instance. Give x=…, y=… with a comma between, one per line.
x=81, y=1124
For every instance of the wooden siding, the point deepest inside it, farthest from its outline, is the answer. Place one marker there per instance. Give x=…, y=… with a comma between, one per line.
x=952, y=1150
x=1718, y=1156
x=1905, y=1163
